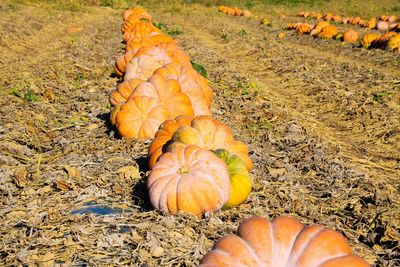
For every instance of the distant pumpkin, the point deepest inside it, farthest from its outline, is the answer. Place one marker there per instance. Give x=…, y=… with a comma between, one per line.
x=350, y=36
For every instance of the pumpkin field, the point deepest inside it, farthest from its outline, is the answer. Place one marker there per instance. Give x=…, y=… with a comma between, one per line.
x=149, y=133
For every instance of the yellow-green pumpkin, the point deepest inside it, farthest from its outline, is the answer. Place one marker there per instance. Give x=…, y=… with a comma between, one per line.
x=239, y=178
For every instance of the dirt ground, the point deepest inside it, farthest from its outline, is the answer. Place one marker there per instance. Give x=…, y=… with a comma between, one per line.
x=321, y=118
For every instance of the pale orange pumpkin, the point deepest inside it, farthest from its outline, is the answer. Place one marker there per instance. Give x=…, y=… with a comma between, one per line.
x=192, y=84
x=149, y=59
x=336, y=18
x=205, y=132
x=189, y=179
x=237, y=11
x=382, y=26
x=141, y=29
x=139, y=12
x=167, y=92
x=139, y=117
x=282, y=242
x=350, y=36
x=123, y=91
x=246, y=13
x=136, y=43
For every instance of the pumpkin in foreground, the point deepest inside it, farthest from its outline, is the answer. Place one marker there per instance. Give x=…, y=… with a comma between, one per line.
x=283, y=242
x=188, y=179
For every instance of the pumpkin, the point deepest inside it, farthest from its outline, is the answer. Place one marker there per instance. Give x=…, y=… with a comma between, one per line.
x=139, y=117
x=328, y=17
x=239, y=178
x=304, y=28
x=350, y=36
x=318, y=27
x=121, y=94
x=149, y=59
x=392, y=18
x=167, y=92
x=230, y=11
x=384, y=18
x=246, y=13
x=372, y=23
x=237, y=11
x=188, y=179
x=141, y=29
x=293, y=26
x=318, y=16
x=122, y=61
x=129, y=23
x=346, y=20
x=300, y=14
x=221, y=8
x=394, y=43
x=382, y=41
x=139, y=12
x=136, y=43
x=281, y=35
x=382, y=26
x=282, y=242
x=336, y=18
x=328, y=32
x=192, y=84
x=395, y=27
x=204, y=131
x=368, y=39
x=355, y=20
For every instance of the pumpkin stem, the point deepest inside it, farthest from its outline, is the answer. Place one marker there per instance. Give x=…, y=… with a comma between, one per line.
x=183, y=170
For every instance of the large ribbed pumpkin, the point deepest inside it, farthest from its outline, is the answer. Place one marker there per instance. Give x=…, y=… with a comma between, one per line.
x=168, y=92
x=394, y=43
x=188, y=179
x=192, y=84
x=123, y=91
x=140, y=29
x=136, y=43
x=149, y=59
x=139, y=117
x=284, y=242
x=203, y=131
x=328, y=32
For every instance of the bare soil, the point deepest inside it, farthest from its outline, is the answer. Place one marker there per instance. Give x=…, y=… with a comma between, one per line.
x=321, y=118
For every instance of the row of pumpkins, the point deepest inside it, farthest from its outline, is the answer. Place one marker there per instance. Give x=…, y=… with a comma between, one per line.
x=323, y=29
x=383, y=23
x=234, y=11
x=196, y=164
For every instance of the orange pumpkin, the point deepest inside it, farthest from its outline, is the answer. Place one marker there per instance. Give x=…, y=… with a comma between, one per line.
x=372, y=23
x=368, y=39
x=149, y=59
x=246, y=13
x=336, y=18
x=282, y=242
x=167, y=92
x=189, y=179
x=392, y=18
x=328, y=32
x=221, y=8
x=141, y=29
x=328, y=17
x=237, y=11
x=192, y=84
x=121, y=94
x=304, y=28
x=139, y=117
x=138, y=12
x=350, y=36
x=293, y=26
x=346, y=20
x=136, y=43
x=205, y=132
x=318, y=27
